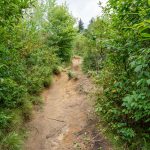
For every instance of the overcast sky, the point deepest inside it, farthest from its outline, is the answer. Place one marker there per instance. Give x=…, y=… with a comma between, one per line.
x=84, y=9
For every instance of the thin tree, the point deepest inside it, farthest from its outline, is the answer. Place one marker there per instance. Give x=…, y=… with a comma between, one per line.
x=81, y=26
x=92, y=20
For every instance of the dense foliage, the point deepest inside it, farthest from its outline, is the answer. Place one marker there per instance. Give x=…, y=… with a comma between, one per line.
x=80, y=45
x=96, y=36
x=61, y=31
x=120, y=55
x=28, y=58
x=37, y=37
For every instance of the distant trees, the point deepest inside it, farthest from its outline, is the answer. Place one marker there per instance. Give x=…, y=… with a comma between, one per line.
x=80, y=26
x=91, y=21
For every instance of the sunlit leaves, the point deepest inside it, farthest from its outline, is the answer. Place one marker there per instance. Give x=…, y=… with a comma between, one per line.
x=148, y=2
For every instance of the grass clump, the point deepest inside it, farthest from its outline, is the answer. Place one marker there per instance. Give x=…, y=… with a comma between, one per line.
x=12, y=141
x=72, y=75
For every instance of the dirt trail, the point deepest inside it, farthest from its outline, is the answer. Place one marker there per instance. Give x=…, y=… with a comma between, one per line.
x=62, y=123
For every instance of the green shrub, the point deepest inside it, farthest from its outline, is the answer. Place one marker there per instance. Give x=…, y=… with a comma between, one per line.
x=124, y=71
x=27, y=108
x=57, y=70
x=95, y=53
x=80, y=45
x=61, y=31
x=28, y=60
x=4, y=120
x=11, y=142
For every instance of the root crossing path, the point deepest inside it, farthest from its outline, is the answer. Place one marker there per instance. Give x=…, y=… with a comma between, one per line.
x=64, y=122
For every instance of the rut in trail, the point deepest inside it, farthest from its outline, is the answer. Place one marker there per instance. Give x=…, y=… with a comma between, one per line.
x=62, y=123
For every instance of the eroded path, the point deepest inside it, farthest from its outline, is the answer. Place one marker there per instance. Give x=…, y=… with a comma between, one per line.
x=62, y=123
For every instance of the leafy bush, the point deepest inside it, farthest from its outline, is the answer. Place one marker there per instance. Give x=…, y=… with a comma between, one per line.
x=80, y=45
x=4, y=120
x=95, y=48
x=28, y=60
x=57, y=70
x=125, y=71
x=39, y=73
x=61, y=31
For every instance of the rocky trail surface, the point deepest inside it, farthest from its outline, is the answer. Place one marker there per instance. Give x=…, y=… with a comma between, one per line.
x=66, y=120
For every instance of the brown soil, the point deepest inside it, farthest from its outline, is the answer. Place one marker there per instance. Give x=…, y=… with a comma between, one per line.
x=65, y=121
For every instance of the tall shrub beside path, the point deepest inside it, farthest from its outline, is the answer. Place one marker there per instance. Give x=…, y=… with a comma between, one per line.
x=28, y=60
x=124, y=72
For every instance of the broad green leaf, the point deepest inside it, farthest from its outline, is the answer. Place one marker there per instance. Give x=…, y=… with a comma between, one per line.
x=138, y=68
x=148, y=82
x=146, y=35
x=133, y=63
x=149, y=2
